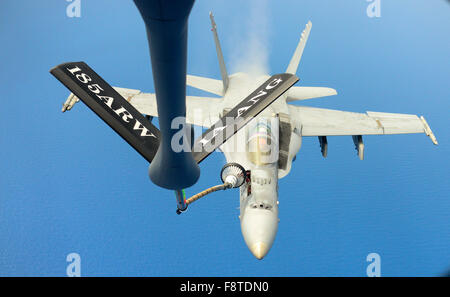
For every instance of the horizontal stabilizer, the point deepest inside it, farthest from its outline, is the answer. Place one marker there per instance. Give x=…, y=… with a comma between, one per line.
x=303, y=93
x=110, y=106
x=242, y=113
x=210, y=85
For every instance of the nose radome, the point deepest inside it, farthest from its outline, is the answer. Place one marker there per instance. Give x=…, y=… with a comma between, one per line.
x=259, y=250
x=259, y=227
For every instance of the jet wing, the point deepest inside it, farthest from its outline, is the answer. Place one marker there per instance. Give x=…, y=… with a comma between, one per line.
x=327, y=122
x=198, y=109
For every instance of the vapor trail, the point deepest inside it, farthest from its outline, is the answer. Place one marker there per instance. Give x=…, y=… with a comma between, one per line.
x=250, y=52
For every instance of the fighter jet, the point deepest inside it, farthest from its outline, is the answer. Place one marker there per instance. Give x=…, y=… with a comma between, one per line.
x=260, y=150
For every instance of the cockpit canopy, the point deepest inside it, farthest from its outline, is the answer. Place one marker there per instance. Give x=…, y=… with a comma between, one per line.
x=262, y=141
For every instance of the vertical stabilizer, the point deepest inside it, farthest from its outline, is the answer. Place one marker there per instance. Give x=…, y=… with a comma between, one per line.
x=223, y=68
x=293, y=65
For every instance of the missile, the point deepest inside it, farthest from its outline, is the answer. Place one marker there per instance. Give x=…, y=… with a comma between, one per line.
x=70, y=102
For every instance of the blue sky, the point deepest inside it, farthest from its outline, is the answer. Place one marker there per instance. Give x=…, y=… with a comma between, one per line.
x=69, y=184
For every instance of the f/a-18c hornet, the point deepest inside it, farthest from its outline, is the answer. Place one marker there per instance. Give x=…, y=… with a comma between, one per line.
x=258, y=154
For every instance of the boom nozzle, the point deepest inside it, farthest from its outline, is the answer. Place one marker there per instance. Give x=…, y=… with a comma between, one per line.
x=181, y=201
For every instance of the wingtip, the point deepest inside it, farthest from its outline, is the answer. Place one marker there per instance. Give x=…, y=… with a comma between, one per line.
x=428, y=131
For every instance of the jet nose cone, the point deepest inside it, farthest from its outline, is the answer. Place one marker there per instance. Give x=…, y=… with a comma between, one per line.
x=259, y=250
x=259, y=227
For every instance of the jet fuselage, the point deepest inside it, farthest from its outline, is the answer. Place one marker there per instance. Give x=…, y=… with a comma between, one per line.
x=256, y=148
